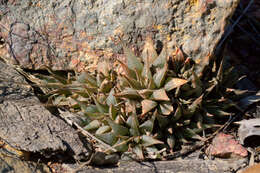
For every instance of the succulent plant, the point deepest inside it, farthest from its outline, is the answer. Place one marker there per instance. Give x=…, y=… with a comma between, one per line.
x=149, y=105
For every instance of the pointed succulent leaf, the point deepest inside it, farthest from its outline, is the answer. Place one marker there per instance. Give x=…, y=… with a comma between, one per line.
x=105, y=86
x=173, y=83
x=162, y=120
x=56, y=75
x=148, y=105
x=102, y=130
x=118, y=129
x=145, y=93
x=111, y=99
x=149, y=53
x=134, y=124
x=112, y=112
x=166, y=108
x=133, y=62
x=133, y=83
x=178, y=113
x=159, y=76
x=121, y=145
x=195, y=105
x=171, y=141
x=146, y=73
x=128, y=93
x=189, y=133
x=177, y=60
x=139, y=151
x=220, y=71
x=92, y=125
x=84, y=77
x=101, y=107
x=161, y=60
x=160, y=95
x=128, y=72
x=109, y=138
x=149, y=141
x=217, y=112
x=147, y=126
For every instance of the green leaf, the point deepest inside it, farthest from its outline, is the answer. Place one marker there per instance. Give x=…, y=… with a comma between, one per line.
x=189, y=133
x=149, y=141
x=112, y=112
x=159, y=76
x=161, y=60
x=149, y=53
x=118, y=129
x=162, y=120
x=148, y=105
x=145, y=93
x=111, y=99
x=133, y=83
x=128, y=72
x=171, y=141
x=133, y=62
x=109, y=138
x=84, y=77
x=178, y=113
x=139, y=151
x=148, y=125
x=160, y=95
x=121, y=145
x=196, y=104
x=102, y=130
x=105, y=86
x=128, y=93
x=166, y=108
x=101, y=107
x=173, y=83
x=92, y=125
x=134, y=124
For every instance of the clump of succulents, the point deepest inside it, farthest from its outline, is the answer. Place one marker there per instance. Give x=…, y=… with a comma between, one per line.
x=149, y=105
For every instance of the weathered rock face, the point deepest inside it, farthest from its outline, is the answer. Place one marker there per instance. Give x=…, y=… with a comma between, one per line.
x=25, y=124
x=63, y=33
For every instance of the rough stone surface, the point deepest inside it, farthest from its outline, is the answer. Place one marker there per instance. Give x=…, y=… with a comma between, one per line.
x=26, y=124
x=176, y=166
x=15, y=165
x=64, y=34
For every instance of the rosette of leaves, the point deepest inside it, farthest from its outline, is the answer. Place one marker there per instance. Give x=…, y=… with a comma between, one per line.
x=149, y=105
x=170, y=99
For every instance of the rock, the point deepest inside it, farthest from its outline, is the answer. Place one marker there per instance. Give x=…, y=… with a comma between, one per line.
x=26, y=125
x=225, y=146
x=178, y=166
x=12, y=165
x=66, y=34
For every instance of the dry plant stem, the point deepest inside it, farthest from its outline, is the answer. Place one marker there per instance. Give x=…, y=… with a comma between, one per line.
x=87, y=134
x=234, y=24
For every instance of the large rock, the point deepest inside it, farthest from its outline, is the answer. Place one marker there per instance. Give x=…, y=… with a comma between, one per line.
x=63, y=33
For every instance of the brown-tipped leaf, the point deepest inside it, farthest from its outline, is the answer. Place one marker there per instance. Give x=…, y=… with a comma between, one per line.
x=160, y=95
x=149, y=51
x=128, y=93
x=174, y=83
x=149, y=141
x=148, y=105
x=166, y=108
x=159, y=76
x=118, y=129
